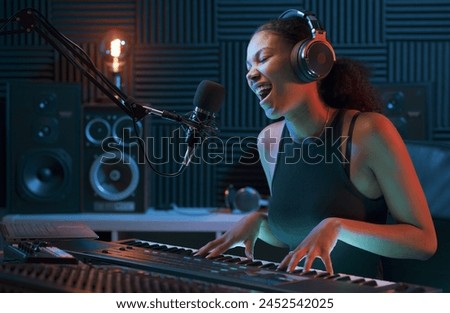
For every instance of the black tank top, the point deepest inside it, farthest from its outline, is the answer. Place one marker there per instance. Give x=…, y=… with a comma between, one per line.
x=310, y=183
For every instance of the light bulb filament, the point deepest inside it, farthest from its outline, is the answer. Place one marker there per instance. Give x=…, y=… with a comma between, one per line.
x=116, y=47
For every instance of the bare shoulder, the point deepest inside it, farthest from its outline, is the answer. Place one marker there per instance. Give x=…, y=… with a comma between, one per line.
x=268, y=140
x=373, y=121
x=270, y=135
x=376, y=129
x=378, y=137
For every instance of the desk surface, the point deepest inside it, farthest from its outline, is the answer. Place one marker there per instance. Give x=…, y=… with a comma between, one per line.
x=177, y=220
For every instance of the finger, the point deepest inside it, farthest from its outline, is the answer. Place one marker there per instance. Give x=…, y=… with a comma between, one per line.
x=328, y=265
x=249, y=248
x=308, y=262
x=206, y=248
x=295, y=259
x=284, y=263
x=218, y=250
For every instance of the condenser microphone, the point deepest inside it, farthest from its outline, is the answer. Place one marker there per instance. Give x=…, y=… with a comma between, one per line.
x=207, y=101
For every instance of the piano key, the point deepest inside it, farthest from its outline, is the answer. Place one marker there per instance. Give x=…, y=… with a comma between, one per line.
x=222, y=265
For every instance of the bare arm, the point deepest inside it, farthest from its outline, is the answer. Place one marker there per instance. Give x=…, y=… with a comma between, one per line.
x=413, y=236
x=255, y=224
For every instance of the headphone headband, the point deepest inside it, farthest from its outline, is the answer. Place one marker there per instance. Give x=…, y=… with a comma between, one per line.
x=311, y=19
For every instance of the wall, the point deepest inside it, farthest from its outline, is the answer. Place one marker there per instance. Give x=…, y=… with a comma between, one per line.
x=178, y=43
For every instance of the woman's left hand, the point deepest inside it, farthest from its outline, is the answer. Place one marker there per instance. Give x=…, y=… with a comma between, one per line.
x=318, y=244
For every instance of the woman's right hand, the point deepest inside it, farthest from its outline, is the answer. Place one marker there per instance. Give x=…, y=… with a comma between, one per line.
x=244, y=233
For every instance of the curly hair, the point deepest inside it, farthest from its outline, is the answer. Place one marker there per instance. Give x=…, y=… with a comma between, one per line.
x=347, y=86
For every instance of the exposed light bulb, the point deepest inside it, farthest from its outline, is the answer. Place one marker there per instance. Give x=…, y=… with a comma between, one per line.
x=116, y=47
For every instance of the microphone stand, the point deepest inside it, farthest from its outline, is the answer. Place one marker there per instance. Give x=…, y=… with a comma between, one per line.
x=32, y=20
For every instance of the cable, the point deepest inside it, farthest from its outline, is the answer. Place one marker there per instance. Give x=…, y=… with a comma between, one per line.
x=147, y=158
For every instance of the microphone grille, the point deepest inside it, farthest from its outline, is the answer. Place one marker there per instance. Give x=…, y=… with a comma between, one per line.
x=209, y=96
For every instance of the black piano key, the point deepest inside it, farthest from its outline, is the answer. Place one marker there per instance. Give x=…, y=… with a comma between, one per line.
x=223, y=258
x=137, y=244
x=371, y=282
x=309, y=273
x=269, y=266
x=322, y=275
x=254, y=263
x=216, y=257
x=343, y=278
x=233, y=260
x=187, y=252
x=244, y=262
x=129, y=242
x=332, y=276
x=358, y=281
x=159, y=247
x=171, y=249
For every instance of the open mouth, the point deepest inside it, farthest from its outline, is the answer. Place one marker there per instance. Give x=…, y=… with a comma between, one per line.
x=262, y=91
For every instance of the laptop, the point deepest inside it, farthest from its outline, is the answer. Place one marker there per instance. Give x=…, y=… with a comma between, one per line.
x=54, y=230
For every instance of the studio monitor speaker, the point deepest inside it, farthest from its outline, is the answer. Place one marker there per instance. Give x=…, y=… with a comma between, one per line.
x=407, y=106
x=114, y=175
x=43, y=147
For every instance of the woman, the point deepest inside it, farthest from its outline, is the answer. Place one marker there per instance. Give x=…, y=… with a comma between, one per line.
x=335, y=167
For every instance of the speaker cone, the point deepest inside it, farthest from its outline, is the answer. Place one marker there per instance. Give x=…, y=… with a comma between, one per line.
x=114, y=176
x=97, y=130
x=44, y=175
x=123, y=131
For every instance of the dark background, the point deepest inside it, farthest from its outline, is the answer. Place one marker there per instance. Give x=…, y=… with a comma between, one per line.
x=178, y=43
x=175, y=44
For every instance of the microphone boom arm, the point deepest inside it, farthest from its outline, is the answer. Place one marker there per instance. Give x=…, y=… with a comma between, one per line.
x=32, y=20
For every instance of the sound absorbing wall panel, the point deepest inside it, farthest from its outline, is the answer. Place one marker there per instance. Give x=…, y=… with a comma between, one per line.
x=178, y=43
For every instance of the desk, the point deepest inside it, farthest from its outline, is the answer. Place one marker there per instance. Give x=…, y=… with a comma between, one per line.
x=178, y=220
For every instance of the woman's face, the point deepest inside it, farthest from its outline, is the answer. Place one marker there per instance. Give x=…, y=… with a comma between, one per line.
x=270, y=75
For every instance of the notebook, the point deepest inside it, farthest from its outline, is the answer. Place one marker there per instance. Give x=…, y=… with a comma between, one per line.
x=29, y=231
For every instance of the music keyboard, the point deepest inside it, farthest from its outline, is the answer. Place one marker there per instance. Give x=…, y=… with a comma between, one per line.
x=251, y=275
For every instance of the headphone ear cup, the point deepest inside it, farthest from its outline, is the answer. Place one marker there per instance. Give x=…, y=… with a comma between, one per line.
x=312, y=59
x=297, y=61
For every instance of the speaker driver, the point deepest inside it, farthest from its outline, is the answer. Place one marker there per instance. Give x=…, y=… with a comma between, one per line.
x=46, y=130
x=114, y=176
x=123, y=131
x=97, y=130
x=45, y=103
x=45, y=175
